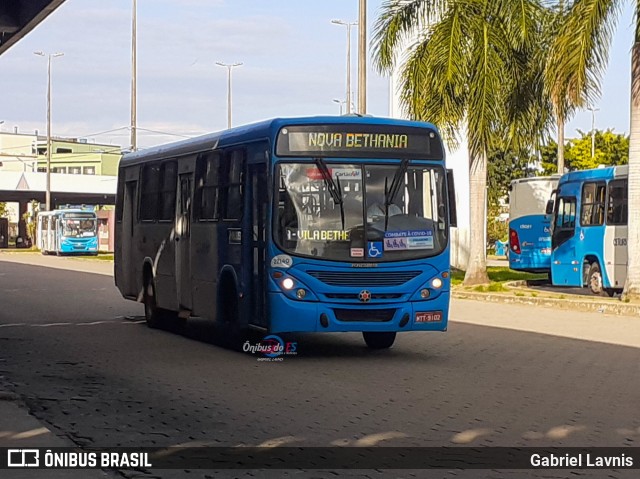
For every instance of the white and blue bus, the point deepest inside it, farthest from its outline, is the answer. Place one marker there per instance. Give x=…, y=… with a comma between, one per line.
x=317, y=224
x=71, y=231
x=589, y=232
x=530, y=223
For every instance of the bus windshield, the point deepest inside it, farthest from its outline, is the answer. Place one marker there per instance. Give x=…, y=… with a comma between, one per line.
x=365, y=220
x=78, y=225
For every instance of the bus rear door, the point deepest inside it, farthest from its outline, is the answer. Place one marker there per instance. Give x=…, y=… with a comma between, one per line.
x=182, y=239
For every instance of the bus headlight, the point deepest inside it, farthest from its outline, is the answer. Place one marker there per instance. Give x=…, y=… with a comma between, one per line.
x=424, y=293
x=301, y=293
x=288, y=283
x=436, y=283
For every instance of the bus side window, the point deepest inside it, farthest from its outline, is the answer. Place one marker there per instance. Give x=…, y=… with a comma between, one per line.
x=150, y=188
x=207, y=187
x=233, y=185
x=592, y=207
x=617, y=210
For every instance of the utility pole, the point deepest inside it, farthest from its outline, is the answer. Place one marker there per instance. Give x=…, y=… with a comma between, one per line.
x=229, y=67
x=362, y=58
x=134, y=142
x=49, y=146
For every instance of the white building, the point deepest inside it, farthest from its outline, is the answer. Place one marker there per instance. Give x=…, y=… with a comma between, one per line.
x=458, y=161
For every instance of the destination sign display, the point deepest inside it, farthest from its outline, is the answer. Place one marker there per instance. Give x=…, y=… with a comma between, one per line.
x=359, y=141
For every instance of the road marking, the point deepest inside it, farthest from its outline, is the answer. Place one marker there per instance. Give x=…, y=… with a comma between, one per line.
x=47, y=325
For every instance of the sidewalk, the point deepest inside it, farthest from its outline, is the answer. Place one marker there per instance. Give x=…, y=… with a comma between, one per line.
x=19, y=429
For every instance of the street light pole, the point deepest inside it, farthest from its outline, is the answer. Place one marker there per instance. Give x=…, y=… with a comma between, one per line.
x=229, y=67
x=593, y=130
x=339, y=102
x=348, y=25
x=48, y=187
x=134, y=82
x=362, y=58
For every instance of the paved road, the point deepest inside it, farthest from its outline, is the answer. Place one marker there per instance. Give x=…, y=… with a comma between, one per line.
x=90, y=368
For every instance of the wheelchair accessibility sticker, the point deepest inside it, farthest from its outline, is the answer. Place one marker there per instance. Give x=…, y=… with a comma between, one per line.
x=374, y=249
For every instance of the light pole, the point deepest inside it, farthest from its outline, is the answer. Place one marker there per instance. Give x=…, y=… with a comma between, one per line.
x=134, y=84
x=339, y=102
x=229, y=67
x=593, y=130
x=48, y=192
x=348, y=25
x=362, y=58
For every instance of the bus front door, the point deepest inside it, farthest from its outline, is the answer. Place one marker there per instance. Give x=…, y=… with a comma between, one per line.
x=258, y=176
x=182, y=239
x=127, y=276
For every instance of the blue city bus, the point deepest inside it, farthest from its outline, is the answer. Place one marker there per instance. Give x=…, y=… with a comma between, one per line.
x=589, y=230
x=530, y=223
x=316, y=224
x=68, y=232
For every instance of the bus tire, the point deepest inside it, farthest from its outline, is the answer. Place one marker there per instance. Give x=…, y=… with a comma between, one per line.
x=594, y=279
x=152, y=314
x=379, y=340
x=233, y=335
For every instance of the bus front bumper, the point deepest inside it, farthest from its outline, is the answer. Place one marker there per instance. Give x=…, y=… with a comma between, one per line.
x=289, y=316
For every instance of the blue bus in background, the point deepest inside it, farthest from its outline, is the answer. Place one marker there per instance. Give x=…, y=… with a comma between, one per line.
x=315, y=224
x=589, y=230
x=69, y=231
x=530, y=223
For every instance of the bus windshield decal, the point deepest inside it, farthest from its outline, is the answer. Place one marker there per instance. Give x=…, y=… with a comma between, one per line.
x=358, y=141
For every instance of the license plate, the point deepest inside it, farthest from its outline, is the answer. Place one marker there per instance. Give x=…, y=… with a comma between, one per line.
x=431, y=317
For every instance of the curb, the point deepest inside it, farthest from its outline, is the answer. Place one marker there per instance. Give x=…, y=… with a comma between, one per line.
x=623, y=309
x=8, y=396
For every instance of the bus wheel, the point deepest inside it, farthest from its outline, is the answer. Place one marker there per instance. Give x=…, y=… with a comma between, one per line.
x=595, y=279
x=378, y=340
x=152, y=314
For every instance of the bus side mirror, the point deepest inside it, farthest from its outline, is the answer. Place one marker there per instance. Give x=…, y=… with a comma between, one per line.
x=549, y=210
x=451, y=190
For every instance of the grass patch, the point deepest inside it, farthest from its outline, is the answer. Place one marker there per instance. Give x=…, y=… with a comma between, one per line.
x=491, y=288
x=497, y=274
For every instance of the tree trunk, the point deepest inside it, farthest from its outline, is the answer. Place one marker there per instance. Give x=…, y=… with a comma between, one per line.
x=560, y=123
x=632, y=285
x=477, y=267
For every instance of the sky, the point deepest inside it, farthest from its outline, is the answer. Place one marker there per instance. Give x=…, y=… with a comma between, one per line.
x=294, y=63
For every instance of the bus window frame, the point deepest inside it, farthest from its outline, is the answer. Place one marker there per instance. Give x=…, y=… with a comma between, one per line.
x=624, y=201
x=555, y=242
x=594, y=204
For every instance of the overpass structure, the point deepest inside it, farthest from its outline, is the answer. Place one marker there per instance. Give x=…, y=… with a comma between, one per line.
x=19, y=17
x=23, y=187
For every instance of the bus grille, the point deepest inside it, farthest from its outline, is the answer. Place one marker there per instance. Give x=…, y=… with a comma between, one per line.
x=356, y=297
x=368, y=315
x=364, y=279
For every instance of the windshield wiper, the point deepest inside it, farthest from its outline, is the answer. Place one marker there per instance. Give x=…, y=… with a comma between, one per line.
x=390, y=193
x=335, y=190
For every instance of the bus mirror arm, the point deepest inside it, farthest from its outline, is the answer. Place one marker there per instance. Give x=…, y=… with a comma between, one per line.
x=549, y=209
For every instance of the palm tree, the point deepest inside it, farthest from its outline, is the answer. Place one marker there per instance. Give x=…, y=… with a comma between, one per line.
x=580, y=55
x=468, y=60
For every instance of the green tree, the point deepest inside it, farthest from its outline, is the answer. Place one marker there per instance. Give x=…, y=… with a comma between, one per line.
x=468, y=71
x=3, y=210
x=610, y=149
x=580, y=55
